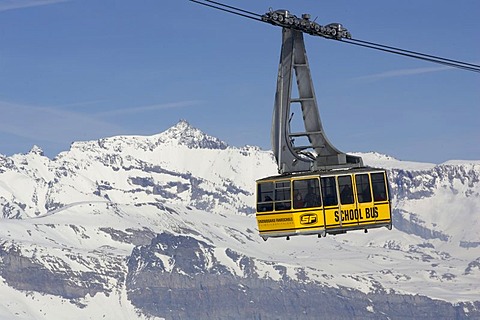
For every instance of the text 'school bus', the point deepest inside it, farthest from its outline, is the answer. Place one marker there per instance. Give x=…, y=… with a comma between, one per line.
x=323, y=202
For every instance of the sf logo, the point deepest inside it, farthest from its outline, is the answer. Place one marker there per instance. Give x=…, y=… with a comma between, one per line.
x=309, y=218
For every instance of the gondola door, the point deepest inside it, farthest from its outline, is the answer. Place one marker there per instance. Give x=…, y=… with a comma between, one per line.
x=381, y=199
x=365, y=205
x=331, y=209
x=348, y=210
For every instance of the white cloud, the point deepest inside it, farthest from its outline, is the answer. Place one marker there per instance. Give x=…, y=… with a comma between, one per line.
x=57, y=125
x=402, y=73
x=18, y=4
x=51, y=124
x=154, y=107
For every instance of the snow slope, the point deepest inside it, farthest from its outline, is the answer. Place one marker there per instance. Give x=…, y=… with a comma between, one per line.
x=77, y=218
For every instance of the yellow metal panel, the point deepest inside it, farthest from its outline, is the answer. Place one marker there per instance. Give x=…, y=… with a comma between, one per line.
x=309, y=219
x=332, y=217
x=383, y=211
x=275, y=222
x=348, y=215
x=291, y=221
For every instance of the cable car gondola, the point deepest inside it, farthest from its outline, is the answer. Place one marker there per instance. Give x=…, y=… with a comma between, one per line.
x=319, y=189
x=328, y=202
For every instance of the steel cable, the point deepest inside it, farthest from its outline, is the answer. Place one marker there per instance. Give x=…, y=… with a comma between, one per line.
x=416, y=55
x=407, y=53
x=230, y=10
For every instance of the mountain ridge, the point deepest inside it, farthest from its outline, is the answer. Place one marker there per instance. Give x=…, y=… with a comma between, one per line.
x=95, y=219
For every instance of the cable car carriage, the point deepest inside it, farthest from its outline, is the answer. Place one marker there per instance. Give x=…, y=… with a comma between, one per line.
x=319, y=190
x=330, y=202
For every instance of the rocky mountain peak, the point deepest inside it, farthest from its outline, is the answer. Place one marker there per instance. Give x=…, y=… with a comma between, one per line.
x=185, y=134
x=36, y=150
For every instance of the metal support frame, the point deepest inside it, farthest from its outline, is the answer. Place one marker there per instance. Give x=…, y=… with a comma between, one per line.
x=320, y=154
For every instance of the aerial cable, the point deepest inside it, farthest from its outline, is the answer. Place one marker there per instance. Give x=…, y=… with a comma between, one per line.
x=234, y=8
x=229, y=9
x=459, y=65
x=407, y=53
x=418, y=53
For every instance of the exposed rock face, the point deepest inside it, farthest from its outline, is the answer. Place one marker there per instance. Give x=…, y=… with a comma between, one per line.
x=23, y=273
x=175, y=277
x=411, y=185
x=413, y=224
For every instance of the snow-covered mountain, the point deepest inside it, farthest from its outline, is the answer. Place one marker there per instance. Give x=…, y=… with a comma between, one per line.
x=134, y=227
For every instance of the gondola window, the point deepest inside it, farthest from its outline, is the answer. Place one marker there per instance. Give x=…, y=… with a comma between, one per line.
x=282, y=195
x=346, y=190
x=329, y=191
x=265, y=197
x=379, y=187
x=306, y=193
x=363, y=188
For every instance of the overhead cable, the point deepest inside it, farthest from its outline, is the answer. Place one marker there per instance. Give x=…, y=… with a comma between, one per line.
x=229, y=9
x=234, y=8
x=413, y=52
x=416, y=55
x=389, y=49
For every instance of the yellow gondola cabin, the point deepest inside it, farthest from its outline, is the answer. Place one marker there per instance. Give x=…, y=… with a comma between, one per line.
x=323, y=203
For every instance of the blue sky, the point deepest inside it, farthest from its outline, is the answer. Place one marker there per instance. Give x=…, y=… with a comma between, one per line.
x=82, y=70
